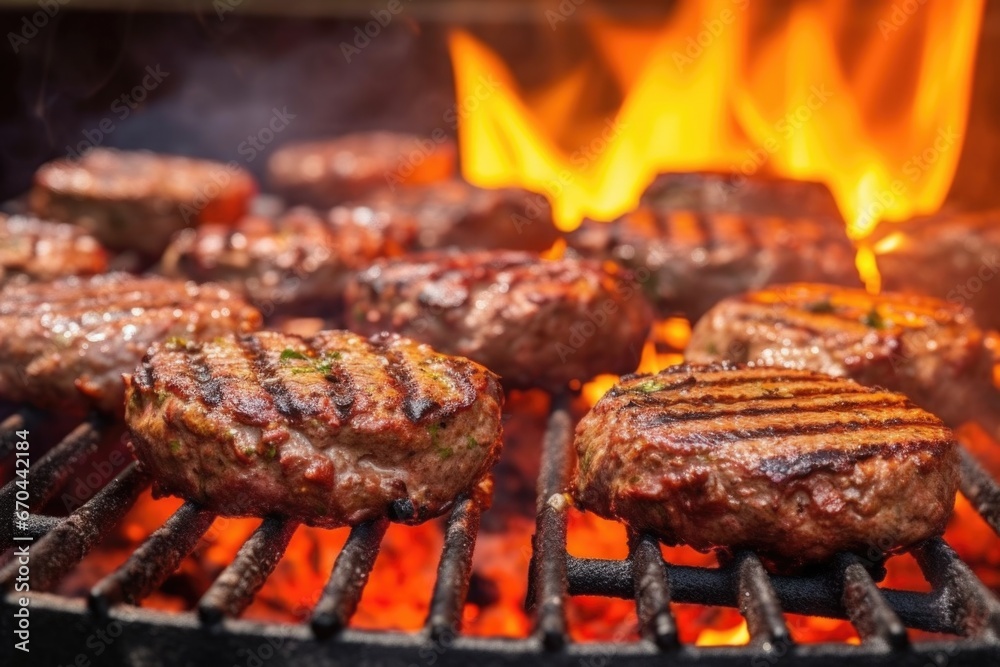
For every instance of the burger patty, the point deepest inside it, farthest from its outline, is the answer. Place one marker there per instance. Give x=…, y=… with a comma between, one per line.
x=37, y=250
x=331, y=430
x=333, y=171
x=455, y=213
x=64, y=345
x=136, y=200
x=297, y=264
x=928, y=349
x=537, y=323
x=731, y=192
x=690, y=261
x=793, y=464
x=958, y=256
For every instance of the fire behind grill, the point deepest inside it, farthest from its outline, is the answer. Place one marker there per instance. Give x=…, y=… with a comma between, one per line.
x=958, y=603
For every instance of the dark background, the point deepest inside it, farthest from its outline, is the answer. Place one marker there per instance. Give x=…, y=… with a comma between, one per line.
x=226, y=75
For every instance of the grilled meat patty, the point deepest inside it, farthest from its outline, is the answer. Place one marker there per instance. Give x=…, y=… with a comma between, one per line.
x=793, y=464
x=32, y=249
x=732, y=192
x=455, y=213
x=64, y=345
x=958, y=256
x=297, y=264
x=923, y=347
x=332, y=430
x=537, y=323
x=333, y=171
x=691, y=261
x=136, y=200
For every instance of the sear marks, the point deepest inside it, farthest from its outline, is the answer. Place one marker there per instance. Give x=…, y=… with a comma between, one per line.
x=66, y=344
x=32, y=249
x=537, y=323
x=928, y=349
x=795, y=465
x=136, y=200
x=298, y=263
x=688, y=260
x=332, y=430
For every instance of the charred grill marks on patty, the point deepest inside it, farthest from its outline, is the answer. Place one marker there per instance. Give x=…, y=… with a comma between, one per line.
x=928, y=349
x=794, y=464
x=334, y=429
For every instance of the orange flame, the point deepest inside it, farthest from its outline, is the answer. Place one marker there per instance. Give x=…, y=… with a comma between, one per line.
x=878, y=114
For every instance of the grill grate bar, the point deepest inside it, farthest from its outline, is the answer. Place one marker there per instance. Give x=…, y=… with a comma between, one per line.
x=454, y=570
x=815, y=595
x=868, y=610
x=347, y=581
x=153, y=561
x=547, y=589
x=235, y=588
x=652, y=591
x=759, y=603
x=65, y=545
x=48, y=473
x=38, y=525
x=980, y=490
x=974, y=611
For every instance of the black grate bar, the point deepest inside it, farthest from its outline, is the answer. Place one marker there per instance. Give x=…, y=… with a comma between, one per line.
x=48, y=473
x=868, y=610
x=454, y=570
x=980, y=490
x=347, y=580
x=235, y=588
x=153, y=561
x=759, y=603
x=65, y=545
x=547, y=590
x=974, y=610
x=38, y=525
x=815, y=595
x=652, y=591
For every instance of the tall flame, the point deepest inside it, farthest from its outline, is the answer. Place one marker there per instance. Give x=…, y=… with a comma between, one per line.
x=878, y=115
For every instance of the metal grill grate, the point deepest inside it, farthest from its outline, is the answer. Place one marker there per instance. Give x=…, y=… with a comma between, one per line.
x=959, y=603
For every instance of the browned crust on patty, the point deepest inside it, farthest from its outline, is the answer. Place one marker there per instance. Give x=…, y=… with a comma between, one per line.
x=332, y=430
x=34, y=249
x=65, y=344
x=537, y=323
x=926, y=348
x=793, y=464
x=136, y=200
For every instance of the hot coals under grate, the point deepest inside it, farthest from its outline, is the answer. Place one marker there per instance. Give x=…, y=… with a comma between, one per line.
x=958, y=604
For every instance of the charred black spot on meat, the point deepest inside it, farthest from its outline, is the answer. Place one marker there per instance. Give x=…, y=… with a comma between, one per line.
x=785, y=468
